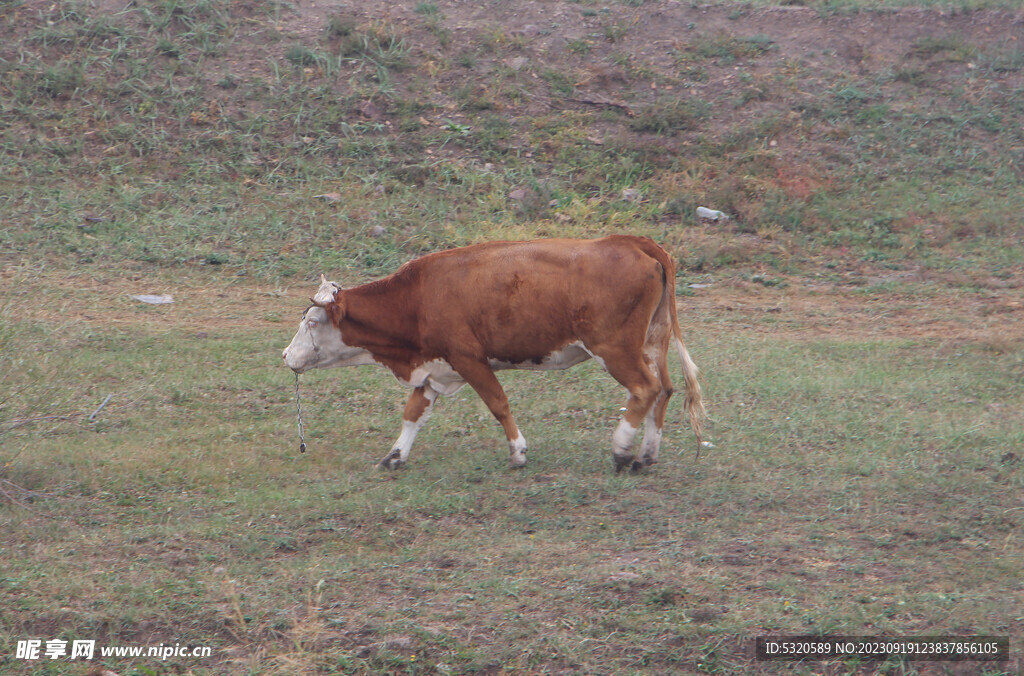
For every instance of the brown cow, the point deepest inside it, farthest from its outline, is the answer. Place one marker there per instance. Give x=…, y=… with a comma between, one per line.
x=457, y=316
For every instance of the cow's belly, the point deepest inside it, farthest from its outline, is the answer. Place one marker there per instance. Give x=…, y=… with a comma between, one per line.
x=442, y=378
x=439, y=374
x=563, y=358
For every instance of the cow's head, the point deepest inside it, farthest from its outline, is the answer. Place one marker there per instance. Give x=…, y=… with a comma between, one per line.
x=318, y=342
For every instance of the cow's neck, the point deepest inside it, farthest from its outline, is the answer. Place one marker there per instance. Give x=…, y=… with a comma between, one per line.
x=377, y=320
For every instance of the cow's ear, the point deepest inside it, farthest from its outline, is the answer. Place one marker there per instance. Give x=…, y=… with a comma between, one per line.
x=336, y=308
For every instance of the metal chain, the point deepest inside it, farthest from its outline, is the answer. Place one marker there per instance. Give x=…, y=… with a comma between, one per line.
x=298, y=416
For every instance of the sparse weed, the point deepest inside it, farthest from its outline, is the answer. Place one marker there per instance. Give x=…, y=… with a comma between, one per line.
x=952, y=47
x=381, y=43
x=559, y=81
x=580, y=46
x=670, y=116
x=615, y=32
x=300, y=55
x=340, y=27
x=1005, y=60
x=61, y=80
x=723, y=49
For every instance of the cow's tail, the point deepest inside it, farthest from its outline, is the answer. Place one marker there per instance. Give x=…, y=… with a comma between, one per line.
x=692, y=401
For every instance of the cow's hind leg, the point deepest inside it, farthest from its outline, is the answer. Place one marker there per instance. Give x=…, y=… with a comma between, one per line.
x=655, y=421
x=644, y=389
x=417, y=411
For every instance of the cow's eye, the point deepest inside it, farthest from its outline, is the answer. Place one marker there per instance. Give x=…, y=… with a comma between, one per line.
x=313, y=323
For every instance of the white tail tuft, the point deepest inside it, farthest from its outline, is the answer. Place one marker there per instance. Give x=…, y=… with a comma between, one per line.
x=692, y=402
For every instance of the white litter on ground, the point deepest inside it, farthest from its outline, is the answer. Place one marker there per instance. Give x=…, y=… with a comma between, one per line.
x=154, y=300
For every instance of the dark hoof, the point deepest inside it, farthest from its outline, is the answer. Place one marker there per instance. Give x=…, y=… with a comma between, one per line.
x=637, y=467
x=623, y=461
x=392, y=460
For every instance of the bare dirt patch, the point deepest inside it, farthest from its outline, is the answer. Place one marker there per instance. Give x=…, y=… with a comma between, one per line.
x=987, y=317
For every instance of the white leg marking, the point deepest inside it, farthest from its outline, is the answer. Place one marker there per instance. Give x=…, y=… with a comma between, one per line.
x=410, y=428
x=517, y=451
x=622, y=440
x=407, y=437
x=652, y=441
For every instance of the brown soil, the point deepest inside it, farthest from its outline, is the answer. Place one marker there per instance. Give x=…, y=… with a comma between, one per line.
x=589, y=43
x=586, y=44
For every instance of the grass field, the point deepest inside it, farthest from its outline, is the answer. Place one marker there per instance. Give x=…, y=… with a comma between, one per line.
x=858, y=486
x=857, y=320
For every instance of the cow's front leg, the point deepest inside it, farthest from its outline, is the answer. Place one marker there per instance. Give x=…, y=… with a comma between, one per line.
x=482, y=379
x=417, y=410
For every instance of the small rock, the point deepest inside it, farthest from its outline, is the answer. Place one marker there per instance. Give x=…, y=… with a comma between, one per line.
x=378, y=231
x=403, y=643
x=329, y=197
x=706, y=614
x=711, y=214
x=518, y=194
x=154, y=300
x=370, y=110
x=630, y=194
x=623, y=576
x=529, y=31
x=518, y=63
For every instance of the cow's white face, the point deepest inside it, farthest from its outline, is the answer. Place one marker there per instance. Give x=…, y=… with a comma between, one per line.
x=318, y=343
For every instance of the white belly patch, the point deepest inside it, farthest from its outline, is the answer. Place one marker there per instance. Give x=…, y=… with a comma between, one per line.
x=439, y=374
x=444, y=380
x=570, y=355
